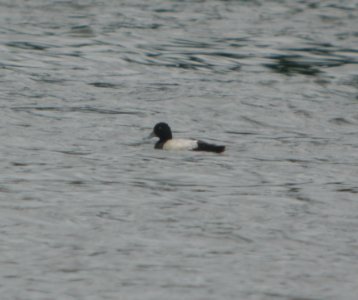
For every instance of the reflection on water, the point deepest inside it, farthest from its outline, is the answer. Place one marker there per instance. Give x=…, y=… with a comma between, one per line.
x=90, y=210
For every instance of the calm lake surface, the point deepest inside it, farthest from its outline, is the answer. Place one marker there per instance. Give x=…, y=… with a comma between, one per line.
x=89, y=210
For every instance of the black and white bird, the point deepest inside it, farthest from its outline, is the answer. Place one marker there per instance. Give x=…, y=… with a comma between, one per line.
x=166, y=141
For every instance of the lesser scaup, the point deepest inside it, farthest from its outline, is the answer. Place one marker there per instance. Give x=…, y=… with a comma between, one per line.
x=166, y=141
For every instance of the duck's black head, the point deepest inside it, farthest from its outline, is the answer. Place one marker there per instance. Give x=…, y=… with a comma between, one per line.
x=162, y=131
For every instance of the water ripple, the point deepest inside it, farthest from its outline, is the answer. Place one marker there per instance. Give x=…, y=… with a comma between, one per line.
x=29, y=45
x=84, y=109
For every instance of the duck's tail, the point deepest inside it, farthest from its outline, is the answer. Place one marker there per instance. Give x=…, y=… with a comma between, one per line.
x=203, y=146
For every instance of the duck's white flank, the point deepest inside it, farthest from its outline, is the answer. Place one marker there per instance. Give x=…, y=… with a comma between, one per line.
x=180, y=144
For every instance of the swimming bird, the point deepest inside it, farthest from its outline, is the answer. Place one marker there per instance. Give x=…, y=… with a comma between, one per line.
x=166, y=141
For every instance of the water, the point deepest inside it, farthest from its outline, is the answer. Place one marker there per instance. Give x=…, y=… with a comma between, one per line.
x=89, y=210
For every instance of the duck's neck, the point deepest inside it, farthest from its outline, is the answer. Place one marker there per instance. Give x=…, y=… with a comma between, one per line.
x=162, y=141
x=165, y=138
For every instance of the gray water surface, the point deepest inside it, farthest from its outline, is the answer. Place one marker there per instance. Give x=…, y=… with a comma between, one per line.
x=89, y=210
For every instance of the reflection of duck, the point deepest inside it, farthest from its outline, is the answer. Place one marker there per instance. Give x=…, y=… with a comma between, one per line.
x=166, y=141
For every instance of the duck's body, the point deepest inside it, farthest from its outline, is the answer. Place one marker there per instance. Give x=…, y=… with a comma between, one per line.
x=166, y=141
x=177, y=144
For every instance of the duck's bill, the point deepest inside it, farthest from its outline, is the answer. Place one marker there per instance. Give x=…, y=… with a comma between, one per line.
x=152, y=135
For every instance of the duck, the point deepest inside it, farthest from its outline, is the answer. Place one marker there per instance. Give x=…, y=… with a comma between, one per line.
x=167, y=142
